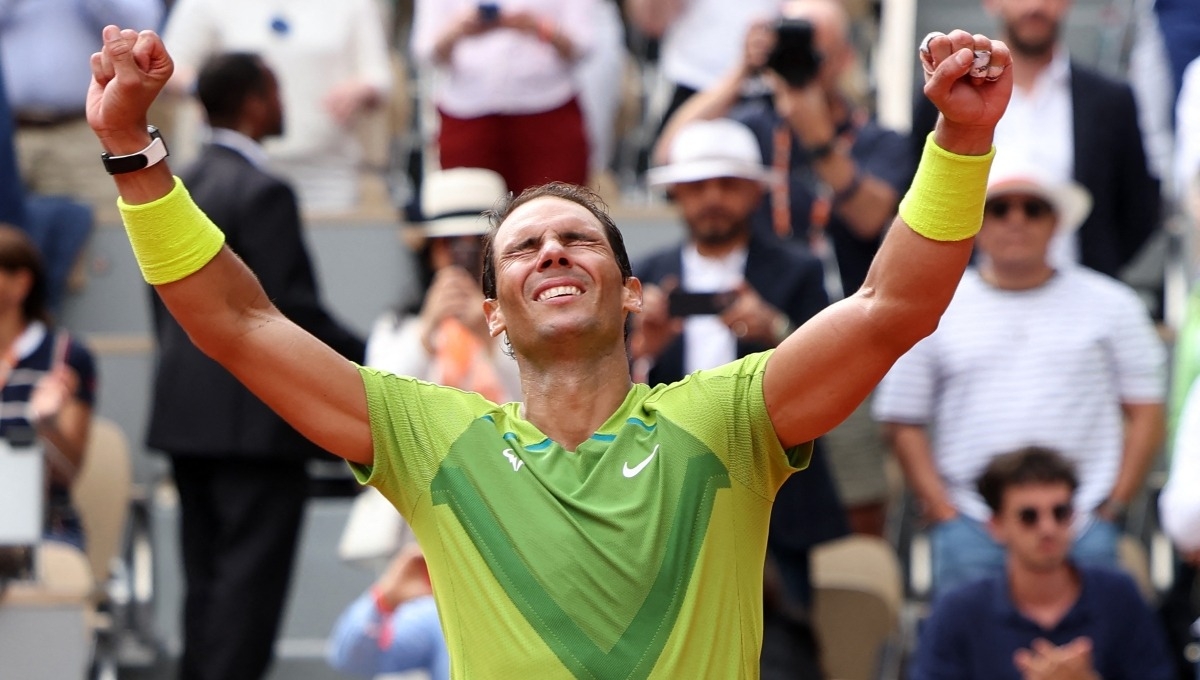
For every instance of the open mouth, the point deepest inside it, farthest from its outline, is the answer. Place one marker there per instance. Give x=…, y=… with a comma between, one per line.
x=558, y=292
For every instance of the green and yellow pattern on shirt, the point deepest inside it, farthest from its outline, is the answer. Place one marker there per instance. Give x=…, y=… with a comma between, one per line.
x=639, y=555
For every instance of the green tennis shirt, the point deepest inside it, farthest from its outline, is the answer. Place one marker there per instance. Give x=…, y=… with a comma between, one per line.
x=638, y=555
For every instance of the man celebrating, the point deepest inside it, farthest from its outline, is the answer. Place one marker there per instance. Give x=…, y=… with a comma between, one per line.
x=573, y=534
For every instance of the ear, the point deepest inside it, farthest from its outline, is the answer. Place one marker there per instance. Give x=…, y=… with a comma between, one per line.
x=495, y=317
x=633, y=295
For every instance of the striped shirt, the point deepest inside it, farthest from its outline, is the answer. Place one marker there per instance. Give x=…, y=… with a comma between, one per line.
x=1049, y=366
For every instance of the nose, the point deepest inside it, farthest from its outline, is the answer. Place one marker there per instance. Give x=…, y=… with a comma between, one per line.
x=553, y=254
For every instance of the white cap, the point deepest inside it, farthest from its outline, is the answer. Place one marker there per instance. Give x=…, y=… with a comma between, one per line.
x=1014, y=174
x=706, y=149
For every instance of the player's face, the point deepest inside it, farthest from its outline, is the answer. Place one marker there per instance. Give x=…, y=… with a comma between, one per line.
x=717, y=210
x=1035, y=525
x=558, y=286
x=1017, y=230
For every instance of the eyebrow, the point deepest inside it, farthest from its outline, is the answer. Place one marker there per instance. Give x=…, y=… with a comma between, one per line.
x=567, y=236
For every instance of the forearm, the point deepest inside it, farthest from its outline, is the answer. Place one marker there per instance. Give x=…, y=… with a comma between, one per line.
x=865, y=203
x=1144, y=432
x=65, y=435
x=914, y=451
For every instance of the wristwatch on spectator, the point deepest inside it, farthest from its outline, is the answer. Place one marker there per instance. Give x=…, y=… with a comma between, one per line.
x=153, y=153
x=1113, y=510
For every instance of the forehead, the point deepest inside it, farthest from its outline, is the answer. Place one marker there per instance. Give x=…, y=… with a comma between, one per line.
x=542, y=216
x=1036, y=494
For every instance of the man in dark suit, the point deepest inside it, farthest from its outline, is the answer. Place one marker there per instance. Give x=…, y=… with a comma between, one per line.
x=1077, y=124
x=764, y=289
x=239, y=468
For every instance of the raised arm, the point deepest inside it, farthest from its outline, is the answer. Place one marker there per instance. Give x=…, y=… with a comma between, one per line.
x=827, y=367
x=211, y=292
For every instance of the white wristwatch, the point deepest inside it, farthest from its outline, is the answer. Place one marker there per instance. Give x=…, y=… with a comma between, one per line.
x=155, y=152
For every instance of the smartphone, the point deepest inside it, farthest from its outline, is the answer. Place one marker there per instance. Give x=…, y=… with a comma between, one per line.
x=685, y=303
x=794, y=58
x=489, y=12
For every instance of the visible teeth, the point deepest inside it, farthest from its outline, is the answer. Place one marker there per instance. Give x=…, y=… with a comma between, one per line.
x=557, y=291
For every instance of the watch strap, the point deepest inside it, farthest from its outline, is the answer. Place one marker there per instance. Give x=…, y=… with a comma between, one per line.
x=153, y=153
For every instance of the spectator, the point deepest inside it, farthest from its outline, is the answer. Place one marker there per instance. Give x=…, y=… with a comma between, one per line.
x=45, y=48
x=333, y=66
x=443, y=337
x=845, y=175
x=1187, y=141
x=47, y=381
x=239, y=469
x=1179, y=513
x=1074, y=123
x=1027, y=353
x=393, y=627
x=700, y=39
x=763, y=289
x=1045, y=617
x=506, y=97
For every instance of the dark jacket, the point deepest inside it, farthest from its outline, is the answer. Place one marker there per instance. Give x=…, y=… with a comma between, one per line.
x=199, y=408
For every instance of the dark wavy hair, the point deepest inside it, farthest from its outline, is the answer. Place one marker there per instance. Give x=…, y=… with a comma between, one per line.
x=1029, y=465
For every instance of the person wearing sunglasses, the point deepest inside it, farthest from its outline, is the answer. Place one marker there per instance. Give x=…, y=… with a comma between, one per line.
x=1029, y=352
x=1046, y=617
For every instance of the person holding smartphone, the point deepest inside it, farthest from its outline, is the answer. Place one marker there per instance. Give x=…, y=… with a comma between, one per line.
x=506, y=96
x=727, y=292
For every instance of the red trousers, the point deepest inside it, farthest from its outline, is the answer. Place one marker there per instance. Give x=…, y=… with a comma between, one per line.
x=526, y=149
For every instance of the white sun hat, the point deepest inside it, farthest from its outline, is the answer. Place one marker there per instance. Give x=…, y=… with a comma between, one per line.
x=1014, y=174
x=453, y=201
x=706, y=149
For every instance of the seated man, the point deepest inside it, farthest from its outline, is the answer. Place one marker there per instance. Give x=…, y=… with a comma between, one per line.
x=1045, y=618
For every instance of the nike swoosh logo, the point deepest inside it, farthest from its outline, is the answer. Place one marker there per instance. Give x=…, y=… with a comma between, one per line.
x=632, y=471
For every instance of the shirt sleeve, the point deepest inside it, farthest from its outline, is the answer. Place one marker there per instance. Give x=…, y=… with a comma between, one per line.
x=906, y=394
x=1138, y=354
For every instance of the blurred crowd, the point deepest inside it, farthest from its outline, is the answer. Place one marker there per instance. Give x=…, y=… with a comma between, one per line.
x=1025, y=441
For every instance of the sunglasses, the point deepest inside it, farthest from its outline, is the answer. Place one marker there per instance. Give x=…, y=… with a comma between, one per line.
x=1062, y=513
x=1034, y=208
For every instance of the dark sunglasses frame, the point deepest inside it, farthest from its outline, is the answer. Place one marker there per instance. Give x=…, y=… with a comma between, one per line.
x=1062, y=513
x=1034, y=208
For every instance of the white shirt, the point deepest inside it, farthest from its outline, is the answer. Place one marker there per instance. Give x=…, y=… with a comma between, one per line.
x=1050, y=366
x=1039, y=127
x=707, y=38
x=503, y=71
x=707, y=341
x=312, y=46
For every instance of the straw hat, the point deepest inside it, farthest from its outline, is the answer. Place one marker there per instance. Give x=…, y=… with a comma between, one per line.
x=706, y=149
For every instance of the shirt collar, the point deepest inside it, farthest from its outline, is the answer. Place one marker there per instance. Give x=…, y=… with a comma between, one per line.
x=232, y=139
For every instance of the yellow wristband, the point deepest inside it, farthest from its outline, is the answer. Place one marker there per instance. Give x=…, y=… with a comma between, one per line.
x=945, y=201
x=171, y=237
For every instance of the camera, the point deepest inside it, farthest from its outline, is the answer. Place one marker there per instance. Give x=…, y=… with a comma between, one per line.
x=794, y=58
x=685, y=303
x=489, y=12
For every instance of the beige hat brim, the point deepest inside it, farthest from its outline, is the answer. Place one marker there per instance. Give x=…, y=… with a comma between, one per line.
x=459, y=225
x=695, y=171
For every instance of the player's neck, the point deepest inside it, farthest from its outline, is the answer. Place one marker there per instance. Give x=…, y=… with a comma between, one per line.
x=569, y=400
